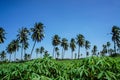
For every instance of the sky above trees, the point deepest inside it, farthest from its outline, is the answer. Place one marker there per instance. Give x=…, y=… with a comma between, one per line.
x=67, y=18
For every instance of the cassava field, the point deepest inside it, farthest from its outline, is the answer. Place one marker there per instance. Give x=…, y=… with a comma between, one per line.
x=91, y=68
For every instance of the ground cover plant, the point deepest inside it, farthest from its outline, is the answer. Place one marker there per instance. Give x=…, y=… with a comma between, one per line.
x=92, y=68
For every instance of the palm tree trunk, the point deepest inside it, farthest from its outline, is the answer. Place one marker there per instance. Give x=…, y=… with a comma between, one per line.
x=86, y=52
x=53, y=52
x=15, y=56
x=22, y=51
x=33, y=47
x=79, y=52
x=36, y=55
x=62, y=53
x=10, y=57
x=115, y=47
x=71, y=54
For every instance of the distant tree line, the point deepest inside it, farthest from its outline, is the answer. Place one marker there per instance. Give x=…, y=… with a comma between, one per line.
x=37, y=34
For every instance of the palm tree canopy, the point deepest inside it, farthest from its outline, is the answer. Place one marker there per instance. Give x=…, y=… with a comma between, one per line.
x=3, y=54
x=72, y=44
x=108, y=44
x=10, y=49
x=80, y=40
x=2, y=35
x=104, y=49
x=64, y=44
x=38, y=32
x=23, y=35
x=87, y=44
x=116, y=34
x=15, y=44
x=55, y=40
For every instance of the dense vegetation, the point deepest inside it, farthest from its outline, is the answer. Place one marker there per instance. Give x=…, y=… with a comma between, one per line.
x=96, y=67
x=91, y=68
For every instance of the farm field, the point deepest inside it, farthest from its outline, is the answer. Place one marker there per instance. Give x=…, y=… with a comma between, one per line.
x=91, y=68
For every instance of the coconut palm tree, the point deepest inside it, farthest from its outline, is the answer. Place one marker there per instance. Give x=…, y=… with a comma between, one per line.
x=56, y=51
x=87, y=46
x=104, y=51
x=64, y=45
x=2, y=35
x=41, y=50
x=72, y=46
x=55, y=42
x=37, y=34
x=16, y=46
x=80, y=41
x=108, y=46
x=3, y=55
x=115, y=36
x=10, y=49
x=94, y=50
x=22, y=36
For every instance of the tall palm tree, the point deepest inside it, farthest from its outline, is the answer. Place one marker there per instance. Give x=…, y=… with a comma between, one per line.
x=2, y=35
x=80, y=41
x=3, y=55
x=72, y=46
x=37, y=51
x=104, y=51
x=55, y=42
x=56, y=51
x=108, y=46
x=10, y=49
x=41, y=50
x=87, y=46
x=115, y=36
x=94, y=50
x=37, y=34
x=22, y=36
x=15, y=45
x=65, y=45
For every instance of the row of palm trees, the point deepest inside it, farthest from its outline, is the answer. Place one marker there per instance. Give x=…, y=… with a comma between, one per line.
x=81, y=42
x=37, y=35
x=21, y=41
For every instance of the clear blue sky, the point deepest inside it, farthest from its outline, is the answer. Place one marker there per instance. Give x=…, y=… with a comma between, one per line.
x=67, y=18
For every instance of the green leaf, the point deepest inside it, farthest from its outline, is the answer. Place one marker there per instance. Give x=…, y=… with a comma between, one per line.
x=100, y=74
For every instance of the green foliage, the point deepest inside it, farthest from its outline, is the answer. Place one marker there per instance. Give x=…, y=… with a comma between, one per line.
x=92, y=68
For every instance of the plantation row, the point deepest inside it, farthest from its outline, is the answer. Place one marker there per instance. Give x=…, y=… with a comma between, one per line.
x=92, y=68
